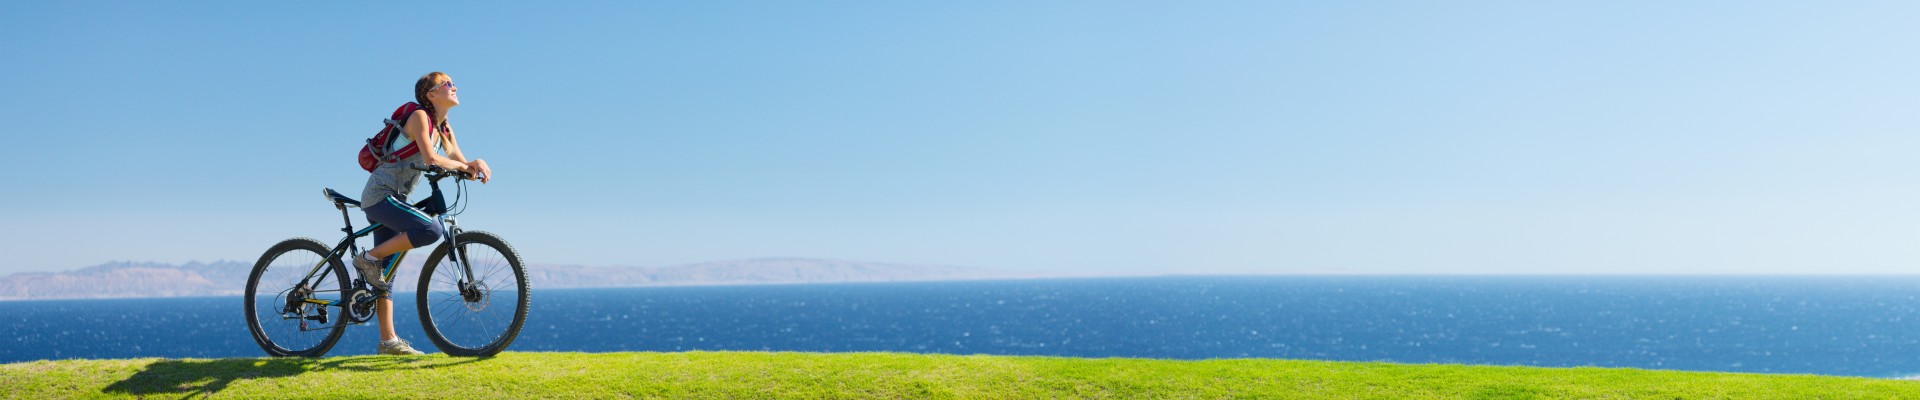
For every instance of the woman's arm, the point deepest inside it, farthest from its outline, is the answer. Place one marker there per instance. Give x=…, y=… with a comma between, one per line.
x=476, y=165
x=453, y=147
x=417, y=131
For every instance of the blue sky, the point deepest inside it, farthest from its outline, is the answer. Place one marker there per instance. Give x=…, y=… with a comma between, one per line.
x=1087, y=137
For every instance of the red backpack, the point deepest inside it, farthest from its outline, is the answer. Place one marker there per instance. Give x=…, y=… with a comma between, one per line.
x=375, y=152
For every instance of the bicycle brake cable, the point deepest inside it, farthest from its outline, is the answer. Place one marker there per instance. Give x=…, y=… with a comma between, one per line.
x=458, y=196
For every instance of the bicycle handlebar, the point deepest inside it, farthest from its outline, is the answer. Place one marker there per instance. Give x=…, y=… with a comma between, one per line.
x=435, y=169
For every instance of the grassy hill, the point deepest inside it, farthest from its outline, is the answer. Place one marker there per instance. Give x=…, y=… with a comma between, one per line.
x=885, y=375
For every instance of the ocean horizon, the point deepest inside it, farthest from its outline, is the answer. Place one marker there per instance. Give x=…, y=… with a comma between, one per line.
x=1828, y=325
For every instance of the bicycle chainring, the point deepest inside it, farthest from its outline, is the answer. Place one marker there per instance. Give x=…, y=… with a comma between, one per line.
x=361, y=305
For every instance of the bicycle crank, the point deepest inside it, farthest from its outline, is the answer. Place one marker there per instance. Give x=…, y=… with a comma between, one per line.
x=360, y=306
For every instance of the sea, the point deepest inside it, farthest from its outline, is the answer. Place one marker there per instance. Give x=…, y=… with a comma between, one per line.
x=1851, y=326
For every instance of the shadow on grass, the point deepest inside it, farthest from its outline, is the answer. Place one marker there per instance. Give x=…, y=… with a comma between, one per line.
x=190, y=378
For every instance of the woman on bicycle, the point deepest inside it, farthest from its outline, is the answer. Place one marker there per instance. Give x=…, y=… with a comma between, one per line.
x=385, y=197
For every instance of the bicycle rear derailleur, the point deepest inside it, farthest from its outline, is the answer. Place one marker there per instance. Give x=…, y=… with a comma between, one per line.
x=296, y=306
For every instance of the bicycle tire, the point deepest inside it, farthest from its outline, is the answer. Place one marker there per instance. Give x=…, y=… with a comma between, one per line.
x=284, y=265
x=471, y=327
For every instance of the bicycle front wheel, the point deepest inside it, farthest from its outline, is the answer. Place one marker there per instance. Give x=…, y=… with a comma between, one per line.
x=283, y=320
x=477, y=316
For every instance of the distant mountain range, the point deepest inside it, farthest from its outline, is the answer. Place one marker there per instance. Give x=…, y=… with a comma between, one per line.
x=145, y=279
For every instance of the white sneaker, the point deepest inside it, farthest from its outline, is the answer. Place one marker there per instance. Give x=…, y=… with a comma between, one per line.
x=398, y=347
x=369, y=271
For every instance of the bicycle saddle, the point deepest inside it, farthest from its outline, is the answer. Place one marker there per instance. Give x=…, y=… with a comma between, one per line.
x=342, y=199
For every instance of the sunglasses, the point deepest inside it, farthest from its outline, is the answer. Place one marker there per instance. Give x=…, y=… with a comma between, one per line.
x=449, y=85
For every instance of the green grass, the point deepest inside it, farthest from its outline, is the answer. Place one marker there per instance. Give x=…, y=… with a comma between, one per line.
x=885, y=375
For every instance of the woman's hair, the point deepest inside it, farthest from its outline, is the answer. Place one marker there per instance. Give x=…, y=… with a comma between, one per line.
x=420, y=88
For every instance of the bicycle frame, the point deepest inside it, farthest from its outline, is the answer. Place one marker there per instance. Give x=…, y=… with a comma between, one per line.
x=434, y=205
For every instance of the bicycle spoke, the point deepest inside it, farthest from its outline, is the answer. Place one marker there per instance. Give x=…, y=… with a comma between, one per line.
x=450, y=305
x=474, y=323
x=275, y=279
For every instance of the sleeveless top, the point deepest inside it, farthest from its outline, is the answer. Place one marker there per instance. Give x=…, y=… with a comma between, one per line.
x=395, y=178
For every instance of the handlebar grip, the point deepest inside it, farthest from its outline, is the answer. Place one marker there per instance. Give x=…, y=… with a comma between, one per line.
x=416, y=166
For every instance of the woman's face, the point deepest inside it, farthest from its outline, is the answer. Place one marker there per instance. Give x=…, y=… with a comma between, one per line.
x=445, y=92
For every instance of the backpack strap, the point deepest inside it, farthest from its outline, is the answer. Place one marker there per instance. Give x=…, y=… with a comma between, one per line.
x=396, y=129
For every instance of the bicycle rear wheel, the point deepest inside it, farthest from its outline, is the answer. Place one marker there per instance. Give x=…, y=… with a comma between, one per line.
x=478, y=318
x=281, y=322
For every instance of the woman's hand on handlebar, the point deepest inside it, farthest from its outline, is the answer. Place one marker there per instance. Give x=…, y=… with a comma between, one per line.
x=478, y=169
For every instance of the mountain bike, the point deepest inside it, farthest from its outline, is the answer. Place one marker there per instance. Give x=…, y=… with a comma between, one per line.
x=472, y=295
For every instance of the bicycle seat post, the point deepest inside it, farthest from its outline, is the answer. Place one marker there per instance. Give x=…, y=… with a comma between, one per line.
x=345, y=218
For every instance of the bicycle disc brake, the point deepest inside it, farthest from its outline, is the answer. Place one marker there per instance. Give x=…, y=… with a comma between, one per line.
x=476, y=294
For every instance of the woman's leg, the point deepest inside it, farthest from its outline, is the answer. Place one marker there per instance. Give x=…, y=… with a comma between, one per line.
x=394, y=245
x=390, y=242
x=386, y=320
x=405, y=228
